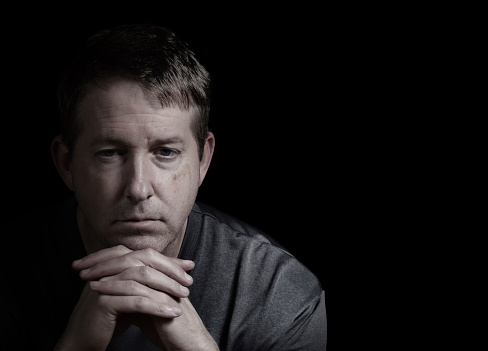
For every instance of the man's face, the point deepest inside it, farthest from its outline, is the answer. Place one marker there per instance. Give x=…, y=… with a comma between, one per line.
x=135, y=170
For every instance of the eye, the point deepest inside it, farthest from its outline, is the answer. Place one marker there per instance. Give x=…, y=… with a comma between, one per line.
x=167, y=153
x=108, y=153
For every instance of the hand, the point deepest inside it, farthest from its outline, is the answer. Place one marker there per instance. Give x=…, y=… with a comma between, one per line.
x=147, y=289
x=186, y=332
x=140, y=283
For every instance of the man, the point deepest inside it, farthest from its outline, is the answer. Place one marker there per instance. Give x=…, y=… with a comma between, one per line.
x=132, y=261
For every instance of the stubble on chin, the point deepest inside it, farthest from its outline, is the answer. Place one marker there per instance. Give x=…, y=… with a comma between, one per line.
x=167, y=242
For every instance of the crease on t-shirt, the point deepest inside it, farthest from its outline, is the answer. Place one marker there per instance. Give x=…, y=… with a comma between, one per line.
x=317, y=301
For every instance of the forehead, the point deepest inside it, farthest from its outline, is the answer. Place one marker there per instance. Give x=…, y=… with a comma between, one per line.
x=121, y=105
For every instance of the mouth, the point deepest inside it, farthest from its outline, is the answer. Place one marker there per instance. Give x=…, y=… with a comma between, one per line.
x=137, y=219
x=138, y=222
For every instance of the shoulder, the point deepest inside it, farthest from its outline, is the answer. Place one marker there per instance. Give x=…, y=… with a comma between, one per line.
x=263, y=291
x=217, y=218
x=258, y=255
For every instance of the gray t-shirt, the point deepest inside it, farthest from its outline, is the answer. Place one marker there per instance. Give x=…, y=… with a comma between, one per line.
x=250, y=293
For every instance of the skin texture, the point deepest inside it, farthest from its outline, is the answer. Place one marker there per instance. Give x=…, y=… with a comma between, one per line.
x=135, y=172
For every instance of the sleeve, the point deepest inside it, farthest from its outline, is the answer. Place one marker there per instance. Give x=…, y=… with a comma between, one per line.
x=309, y=330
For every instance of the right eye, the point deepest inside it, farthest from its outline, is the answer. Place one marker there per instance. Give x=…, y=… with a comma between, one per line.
x=108, y=153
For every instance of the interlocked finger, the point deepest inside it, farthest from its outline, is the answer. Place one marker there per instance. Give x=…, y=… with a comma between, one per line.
x=151, y=278
x=132, y=297
x=173, y=268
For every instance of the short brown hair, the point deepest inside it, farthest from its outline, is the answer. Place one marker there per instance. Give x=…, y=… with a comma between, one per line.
x=150, y=55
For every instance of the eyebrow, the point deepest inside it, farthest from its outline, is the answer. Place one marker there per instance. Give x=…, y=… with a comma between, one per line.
x=174, y=140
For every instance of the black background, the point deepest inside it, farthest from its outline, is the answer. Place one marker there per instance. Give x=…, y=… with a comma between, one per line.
x=298, y=103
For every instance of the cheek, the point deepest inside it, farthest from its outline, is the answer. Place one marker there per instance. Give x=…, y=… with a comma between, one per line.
x=186, y=179
x=92, y=184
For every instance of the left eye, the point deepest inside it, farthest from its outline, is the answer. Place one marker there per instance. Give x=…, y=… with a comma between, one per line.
x=167, y=152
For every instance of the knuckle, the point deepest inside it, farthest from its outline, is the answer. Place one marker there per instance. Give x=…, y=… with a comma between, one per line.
x=122, y=249
x=167, y=310
x=173, y=270
x=149, y=252
x=132, y=285
x=140, y=302
x=131, y=261
x=145, y=271
x=176, y=287
x=176, y=271
x=164, y=309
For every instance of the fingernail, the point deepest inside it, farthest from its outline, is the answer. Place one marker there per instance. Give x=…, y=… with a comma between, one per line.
x=188, y=277
x=76, y=262
x=175, y=310
x=94, y=284
x=185, y=290
x=85, y=271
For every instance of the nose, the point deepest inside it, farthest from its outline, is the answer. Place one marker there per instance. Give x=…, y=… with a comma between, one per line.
x=138, y=179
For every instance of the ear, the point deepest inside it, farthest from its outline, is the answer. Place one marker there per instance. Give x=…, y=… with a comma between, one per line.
x=208, y=151
x=59, y=152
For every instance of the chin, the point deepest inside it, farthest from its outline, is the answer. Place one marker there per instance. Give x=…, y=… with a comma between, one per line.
x=141, y=242
x=141, y=235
